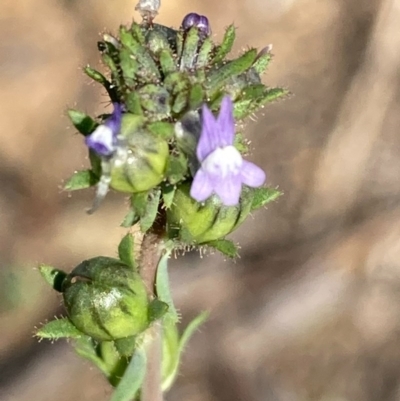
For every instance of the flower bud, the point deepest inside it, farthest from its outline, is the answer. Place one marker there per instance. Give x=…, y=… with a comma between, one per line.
x=143, y=163
x=199, y=21
x=106, y=299
x=197, y=223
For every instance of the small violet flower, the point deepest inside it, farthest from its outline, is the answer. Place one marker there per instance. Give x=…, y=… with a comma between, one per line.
x=222, y=169
x=199, y=21
x=103, y=139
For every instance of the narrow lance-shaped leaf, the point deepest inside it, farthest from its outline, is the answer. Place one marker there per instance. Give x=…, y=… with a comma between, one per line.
x=132, y=380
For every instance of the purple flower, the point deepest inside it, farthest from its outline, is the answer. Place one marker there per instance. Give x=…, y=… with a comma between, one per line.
x=103, y=139
x=199, y=21
x=222, y=170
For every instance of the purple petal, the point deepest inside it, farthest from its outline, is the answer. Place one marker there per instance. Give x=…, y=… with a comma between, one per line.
x=114, y=121
x=201, y=187
x=229, y=189
x=226, y=123
x=101, y=141
x=208, y=141
x=252, y=175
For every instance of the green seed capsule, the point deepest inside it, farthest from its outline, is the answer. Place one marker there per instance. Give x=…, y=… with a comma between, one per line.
x=194, y=222
x=143, y=164
x=106, y=299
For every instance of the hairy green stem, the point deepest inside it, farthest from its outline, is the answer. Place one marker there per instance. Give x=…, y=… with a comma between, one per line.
x=149, y=258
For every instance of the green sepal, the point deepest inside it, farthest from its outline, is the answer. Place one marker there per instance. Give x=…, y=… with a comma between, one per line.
x=262, y=62
x=167, y=62
x=190, y=49
x=102, y=80
x=82, y=122
x=86, y=347
x=129, y=67
x=219, y=76
x=203, y=56
x=226, y=46
x=81, y=180
x=126, y=346
x=155, y=99
x=59, y=328
x=137, y=33
x=132, y=103
x=262, y=196
x=227, y=247
x=240, y=143
x=157, y=309
x=168, y=192
x=132, y=379
x=180, y=102
x=177, y=168
x=53, y=276
x=147, y=219
x=196, y=96
x=148, y=70
x=126, y=251
x=162, y=129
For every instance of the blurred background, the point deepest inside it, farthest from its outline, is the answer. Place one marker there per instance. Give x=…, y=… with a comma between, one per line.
x=310, y=310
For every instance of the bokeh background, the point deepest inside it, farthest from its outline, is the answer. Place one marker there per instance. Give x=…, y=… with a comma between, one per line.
x=310, y=310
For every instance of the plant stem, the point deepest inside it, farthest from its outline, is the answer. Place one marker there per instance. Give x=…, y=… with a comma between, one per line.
x=149, y=258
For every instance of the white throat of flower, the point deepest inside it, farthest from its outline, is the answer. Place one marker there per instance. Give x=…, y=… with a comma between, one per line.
x=223, y=162
x=103, y=135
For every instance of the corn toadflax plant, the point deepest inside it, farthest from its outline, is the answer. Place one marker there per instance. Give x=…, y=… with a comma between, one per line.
x=171, y=145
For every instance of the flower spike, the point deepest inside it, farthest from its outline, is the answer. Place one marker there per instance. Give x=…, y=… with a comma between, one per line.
x=223, y=170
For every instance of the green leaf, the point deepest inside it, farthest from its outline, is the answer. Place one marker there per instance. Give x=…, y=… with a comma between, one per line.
x=85, y=347
x=167, y=61
x=187, y=334
x=192, y=327
x=132, y=379
x=163, y=289
x=177, y=168
x=82, y=122
x=60, y=328
x=53, y=276
x=226, y=46
x=81, y=180
x=147, y=220
x=262, y=196
x=168, y=192
x=190, y=49
x=130, y=219
x=203, y=56
x=101, y=79
x=129, y=66
x=126, y=251
x=226, y=247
